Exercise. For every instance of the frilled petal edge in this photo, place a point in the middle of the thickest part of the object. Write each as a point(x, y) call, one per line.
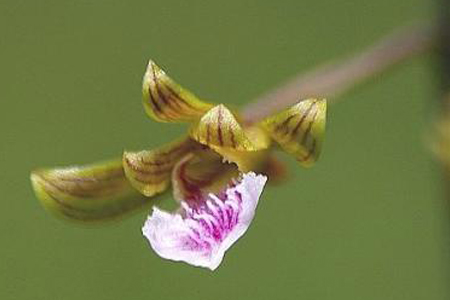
point(201, 235)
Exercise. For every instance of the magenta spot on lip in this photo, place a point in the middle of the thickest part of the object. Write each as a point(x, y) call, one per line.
point(217, 226)
point(200, 232)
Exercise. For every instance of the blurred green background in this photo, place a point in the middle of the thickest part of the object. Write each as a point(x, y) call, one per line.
point(370, 221)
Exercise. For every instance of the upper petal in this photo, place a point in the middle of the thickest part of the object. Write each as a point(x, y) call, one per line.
point(220, 128)
point(300, 129)
point(201, 235)
point(166, 101)
point(245, 160)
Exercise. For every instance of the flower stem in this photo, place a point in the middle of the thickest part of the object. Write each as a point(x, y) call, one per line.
point(333, 79)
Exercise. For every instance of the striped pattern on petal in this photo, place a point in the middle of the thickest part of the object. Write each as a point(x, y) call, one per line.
point(219, 128)
point(247, 161)
point(87, 193)
point(166, 101)
point(299, 129)
point(149, 170)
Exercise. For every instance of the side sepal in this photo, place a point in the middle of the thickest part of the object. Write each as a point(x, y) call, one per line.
point(86, 193)
point(299, 130)
point(166, 101)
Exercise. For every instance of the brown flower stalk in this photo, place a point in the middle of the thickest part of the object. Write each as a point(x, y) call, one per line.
point(333, 79)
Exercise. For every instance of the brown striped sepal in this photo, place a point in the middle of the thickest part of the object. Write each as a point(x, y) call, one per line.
point(149, 171)
point(166, 101)
point(195, 176)
point(299, 130)
point(87, 193)
point(220, 128)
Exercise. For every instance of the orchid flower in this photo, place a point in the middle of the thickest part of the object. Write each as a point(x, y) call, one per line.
point(217, 172)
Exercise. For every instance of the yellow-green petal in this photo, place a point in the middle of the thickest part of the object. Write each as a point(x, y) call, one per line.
point(220, 128)
point(299, 130)
point(149, 171)
point(166, 101)
point(87, 193)
point(247, 161)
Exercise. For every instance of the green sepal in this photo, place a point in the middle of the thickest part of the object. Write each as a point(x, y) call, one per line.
point(300, 129)
point(166, 101)
point(88, 193)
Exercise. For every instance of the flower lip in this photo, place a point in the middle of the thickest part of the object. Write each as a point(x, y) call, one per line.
point(202, 234)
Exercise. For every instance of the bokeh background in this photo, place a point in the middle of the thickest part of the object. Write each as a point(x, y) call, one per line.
point(370, 221)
